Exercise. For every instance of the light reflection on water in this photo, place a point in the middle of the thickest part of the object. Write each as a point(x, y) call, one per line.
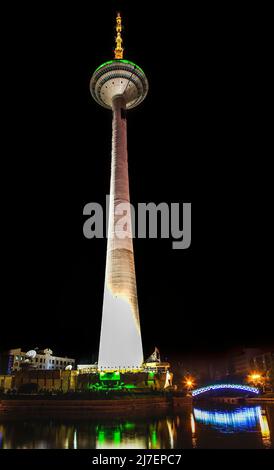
point(226, 421)
point(201, 427)
point(239, 422)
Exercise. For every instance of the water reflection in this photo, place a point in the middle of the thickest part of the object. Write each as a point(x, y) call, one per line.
point(207, 427)
point(243, 418)
point(265, 431)
point(193, 431)
point(156, 434)
point(238, 420)
point(122, 436)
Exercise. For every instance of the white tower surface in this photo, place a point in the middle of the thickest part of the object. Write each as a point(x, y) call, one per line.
point(119, 85)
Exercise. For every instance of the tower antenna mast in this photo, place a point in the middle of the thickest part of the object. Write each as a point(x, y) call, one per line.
point(119, 51)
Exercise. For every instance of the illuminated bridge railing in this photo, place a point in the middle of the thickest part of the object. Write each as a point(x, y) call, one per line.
point(242, 388)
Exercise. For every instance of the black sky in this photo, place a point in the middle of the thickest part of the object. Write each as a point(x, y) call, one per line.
point(198, 137)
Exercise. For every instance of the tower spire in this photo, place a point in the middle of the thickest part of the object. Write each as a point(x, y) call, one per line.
point(118, 52)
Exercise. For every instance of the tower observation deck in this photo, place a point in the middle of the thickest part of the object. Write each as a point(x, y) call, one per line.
point(119, 85)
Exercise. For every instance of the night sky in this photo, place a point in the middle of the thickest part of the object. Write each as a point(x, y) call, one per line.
point(198, 137)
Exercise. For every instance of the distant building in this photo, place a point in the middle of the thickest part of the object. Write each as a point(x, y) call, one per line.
point(263, 362)
point(16, 359)
point(218, 368)
point(244, 361)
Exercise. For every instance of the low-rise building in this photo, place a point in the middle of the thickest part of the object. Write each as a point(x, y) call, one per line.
point(45, 380)
point(6, 383)
point(16, 359)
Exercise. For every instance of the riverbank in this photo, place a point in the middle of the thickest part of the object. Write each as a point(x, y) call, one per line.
point(29, 407)
point(237, 400)
point(260, 400)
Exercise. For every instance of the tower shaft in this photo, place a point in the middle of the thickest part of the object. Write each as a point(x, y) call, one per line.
point(120, 341)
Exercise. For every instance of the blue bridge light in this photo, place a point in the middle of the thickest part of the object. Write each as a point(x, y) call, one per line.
point(242, 388)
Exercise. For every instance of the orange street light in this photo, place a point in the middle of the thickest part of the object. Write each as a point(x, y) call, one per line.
point(189, 382)
point(255, 378)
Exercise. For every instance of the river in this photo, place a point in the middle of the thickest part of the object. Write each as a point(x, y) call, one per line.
point(203, 426)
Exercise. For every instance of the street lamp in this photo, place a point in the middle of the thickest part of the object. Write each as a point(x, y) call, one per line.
point(189, 382)
point(256, 378)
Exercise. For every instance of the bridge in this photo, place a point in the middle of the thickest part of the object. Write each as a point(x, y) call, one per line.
point(240, 387)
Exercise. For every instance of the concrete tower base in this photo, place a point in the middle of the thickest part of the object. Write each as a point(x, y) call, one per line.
point(120, 341)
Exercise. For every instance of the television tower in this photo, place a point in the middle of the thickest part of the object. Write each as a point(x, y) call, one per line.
point(119, 85)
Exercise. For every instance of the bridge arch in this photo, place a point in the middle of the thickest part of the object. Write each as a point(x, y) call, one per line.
point(241, 387)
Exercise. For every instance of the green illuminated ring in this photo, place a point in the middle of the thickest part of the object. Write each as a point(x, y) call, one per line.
point(120, 60)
